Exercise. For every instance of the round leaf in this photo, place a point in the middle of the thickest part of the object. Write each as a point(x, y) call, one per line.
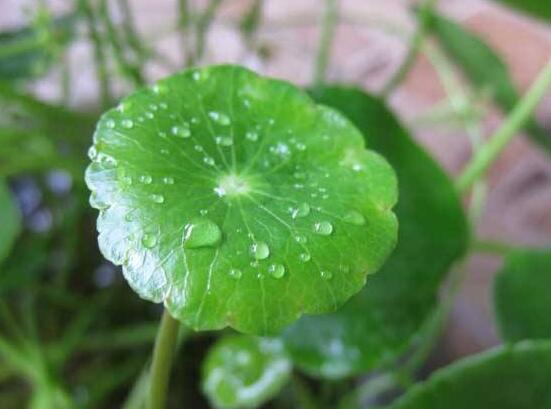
point(507, 378)
point(236, 200)
point(521, 293)
point(379, 323)
point(244, 372)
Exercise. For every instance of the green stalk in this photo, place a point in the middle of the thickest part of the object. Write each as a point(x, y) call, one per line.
point(328, 22)
point(203, 23)
point(162, 361)
point(415, 45)
point(489, 152)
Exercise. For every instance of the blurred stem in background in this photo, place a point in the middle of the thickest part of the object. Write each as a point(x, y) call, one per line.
point(327, 34)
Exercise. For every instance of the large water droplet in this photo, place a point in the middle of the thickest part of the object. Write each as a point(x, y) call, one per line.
point(354, 217)
point(220, 118)
point(181, 131)
point(127, 123)
point(201, 233)
point(149, 240)
point(260, 250)
point(224, 140)
point(323, 228)
point(301, 210)
point(158, 198)
point(277, 270)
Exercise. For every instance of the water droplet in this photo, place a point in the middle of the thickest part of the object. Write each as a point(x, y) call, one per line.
point(252, 136)
point(163, 105)
point(128, 217)
point(220, 118)
point(224, 140)
point(158, 198)
point(201, 233)
point(301, 210)
point(326, 275)
point(168, 180)
point(126, 180)
point(354, 217)
point(92, 152)
point(300, 146)
point(149, 240)
point(276, 270)
point(181, 131)
point(260, 250)
point(235, 273)
point(203, 212)
point(305, 257)
point(146, 179)
point(300, 239)
point(209, 161)
point(323, 228)
point(110, 124)
point(127, 123)
point(149, 115)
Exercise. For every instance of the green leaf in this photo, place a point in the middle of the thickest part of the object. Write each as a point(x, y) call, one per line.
point(29, 51)
point(485, 69)
point(537, 8)
point(378, 324)
point(236, 200)
point(514, 377)
point(244, 372)
point(10, 220)
point(521, 295)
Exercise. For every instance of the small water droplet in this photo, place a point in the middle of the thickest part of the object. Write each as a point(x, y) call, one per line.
point(127, 123)
point(252, 136)
point(354, 217)
point(326, 275)
point(149, 240)
point(149, 115)
point(181, 131)
point(260, 250)
point(300, 146)
point(220, 118)
point(235, 273)
point(323, 228)
point(301, 210)
point(126, 180)
point(163, 105)
point(203, 212)
point(92, 152)
point(168, 180)
point(209, 161)
point(277, 270)
point(300, 239)
point(146, 179)
point(158, 198)
point(201, 233)
point(224, 140)
point(110, 124)
point(305, 257)
point(128, 217)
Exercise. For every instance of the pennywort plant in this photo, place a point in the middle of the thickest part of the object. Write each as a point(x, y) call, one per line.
point(285, 246)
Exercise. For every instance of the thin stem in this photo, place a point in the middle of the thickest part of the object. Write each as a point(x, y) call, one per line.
point(327, 32)
point(183, 25)
point(415, 45)
point(510, 127)
point(492, 247)
point(203, 23)
point(162, 361)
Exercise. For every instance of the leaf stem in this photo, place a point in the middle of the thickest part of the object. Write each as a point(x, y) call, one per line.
point(203, 23)
point(491, 247)
point(328, 22)
point(489, 152)
point(162, 361)
point(415, 45)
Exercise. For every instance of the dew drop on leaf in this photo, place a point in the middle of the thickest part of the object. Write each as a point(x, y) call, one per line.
point(300, 239)
point(149, 240)
point(277, 270)
point(168, 180)
point(304, 257)
point(354, 217)
point(180, 131)
point(158, 198)
point(146, 179)
point(323, 228)
point(224, 140)
point(235, 273)
point(326, 275)
point(300, 210)
point(252, 136)
point(260, 250)
point(201, 233)
point(127, 123)
point(220, 118)
point(110, 123)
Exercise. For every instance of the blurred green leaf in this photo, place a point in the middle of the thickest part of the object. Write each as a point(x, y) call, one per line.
point(238, 201)
point(522, 295)
point(537, 8)
point(511, 377)
point(377, 325)
point(10, 220)
point(485, 70)
point(30, 51)
point(244, 372)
